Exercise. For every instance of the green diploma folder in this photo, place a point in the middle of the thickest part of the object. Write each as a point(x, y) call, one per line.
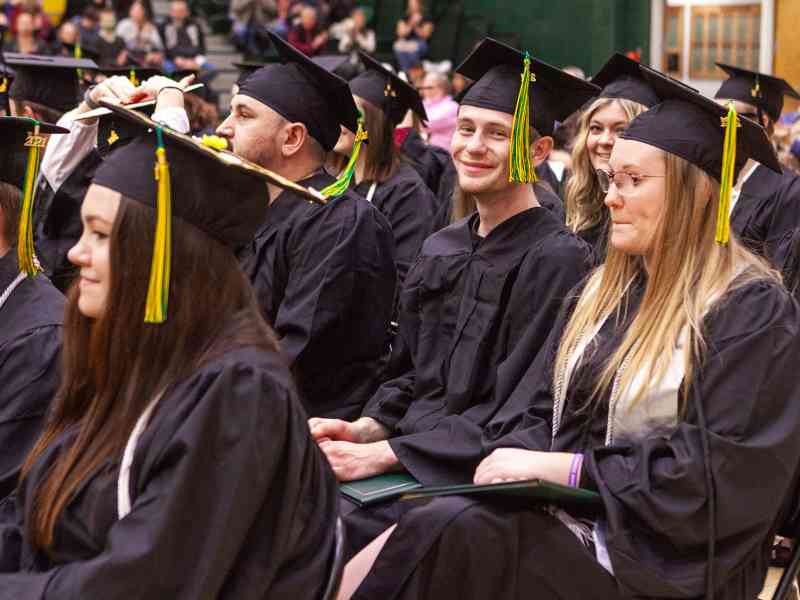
point(380, 488)
point(534, 489)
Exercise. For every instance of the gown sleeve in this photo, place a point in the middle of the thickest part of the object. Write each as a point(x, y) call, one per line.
point(204, 478)
point(653, 490)
point(29, 368)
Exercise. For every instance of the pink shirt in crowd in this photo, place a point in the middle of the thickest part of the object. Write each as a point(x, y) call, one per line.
point(442, 115)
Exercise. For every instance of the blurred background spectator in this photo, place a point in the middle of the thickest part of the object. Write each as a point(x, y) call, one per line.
point(413, 32)
point(184, 43)
point(110, 47)
point(441, 108)
point(353, 34)
point(309, 35)
point(27, 37)
point(141, 37)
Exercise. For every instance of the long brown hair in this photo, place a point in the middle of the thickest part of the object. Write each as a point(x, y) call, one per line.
point(690, 274)
point(115, 365)
point(382, 157)
point(584, 199)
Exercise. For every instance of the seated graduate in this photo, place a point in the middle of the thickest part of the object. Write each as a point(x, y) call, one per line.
point(672, 387)
point(176, 460)
point(381, 174)
point(481, 287)
point(625, 94)
point(31, 309)
point(324, 276)
point(765, 205)
point(70, 162)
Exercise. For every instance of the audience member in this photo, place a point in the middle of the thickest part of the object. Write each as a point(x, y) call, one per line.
point(110, 46)
point(413, 32)
point(441, 108)
point(248, 19)
point(354, 35)
point(184, 42)
point(88, 25)
point(141, 37)
point(25, 40)
point(308, 35)
point(43, 28)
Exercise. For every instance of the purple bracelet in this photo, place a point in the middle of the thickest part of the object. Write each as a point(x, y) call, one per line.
point(575, 470)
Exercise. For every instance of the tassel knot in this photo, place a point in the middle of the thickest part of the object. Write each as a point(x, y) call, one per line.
point(339, 187)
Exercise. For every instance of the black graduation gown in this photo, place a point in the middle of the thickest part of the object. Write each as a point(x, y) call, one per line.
point(231, 498)
point(431, 162)
point(409, 206)
point(768, 207)
point(58, 220)
point(597, 237)
point(653, 489)
point(325, 280)
point(466, 307)
point(30, 347)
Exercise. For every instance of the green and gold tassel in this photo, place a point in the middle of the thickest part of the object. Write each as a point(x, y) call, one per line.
point(520, 166)
point(158, 288)
point(78, 54)
point(3, 85)
point(132, 78)
point(339, 187)
point(26, 255)
point(730, 123)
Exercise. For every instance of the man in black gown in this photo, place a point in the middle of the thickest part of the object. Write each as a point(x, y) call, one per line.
point(765, 206)
point(324, 276)
point(31, 313)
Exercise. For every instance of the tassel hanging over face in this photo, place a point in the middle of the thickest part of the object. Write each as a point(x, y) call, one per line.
point(730, 123)
point(520, 166)
point(339, 187)
point(158, 288)
point(26, 254)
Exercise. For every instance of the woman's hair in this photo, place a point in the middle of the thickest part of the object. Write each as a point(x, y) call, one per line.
point(584, 199)
point(114, 366)
point(690, 273)
point(381, 154)
point(10, 202)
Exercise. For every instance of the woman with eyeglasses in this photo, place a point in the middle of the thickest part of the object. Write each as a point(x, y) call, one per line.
point(625, 95)
point(669, 387)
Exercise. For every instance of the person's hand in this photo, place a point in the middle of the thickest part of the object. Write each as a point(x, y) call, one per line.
point(117, 89)
point(357, 461)
point(150, 89)
point(513, 464)
point(361, 431)
point(320, 40)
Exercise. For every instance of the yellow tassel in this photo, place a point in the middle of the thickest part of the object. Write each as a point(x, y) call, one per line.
point(3, 85)
point(158, 288)
point(214, 141)
point(26, 254)
point(520, 166)
point(78, 54)
point(132, 78)
point(755, 92)
point(730, 123)
point(339, 187)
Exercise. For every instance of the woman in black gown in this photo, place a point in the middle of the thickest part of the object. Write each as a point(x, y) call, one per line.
point(176, 460)
point(669, 386)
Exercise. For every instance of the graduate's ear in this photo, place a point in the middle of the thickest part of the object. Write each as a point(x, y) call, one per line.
point(295, 137)
point(540, 149)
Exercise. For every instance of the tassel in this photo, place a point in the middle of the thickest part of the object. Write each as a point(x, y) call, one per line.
point(78, 54)
point(755, 92)
point(26, 254)
point(132, 78)
point(520, 167)
point(158, 289)
point(339, 187)
point(3, 85)
point(730, 123)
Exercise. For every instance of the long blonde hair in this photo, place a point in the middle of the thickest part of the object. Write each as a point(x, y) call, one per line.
point(690, 274)
point(584, 199)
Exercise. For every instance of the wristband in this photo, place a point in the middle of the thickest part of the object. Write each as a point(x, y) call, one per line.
point(575, 470)
point(87, 98)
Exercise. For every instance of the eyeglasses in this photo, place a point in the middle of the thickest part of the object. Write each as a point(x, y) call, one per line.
point(625, 182)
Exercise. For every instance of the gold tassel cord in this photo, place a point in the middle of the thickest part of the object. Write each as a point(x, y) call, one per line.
point(26, 254)
point(79, 54)
point(520, 166)
point(730, 123)
point(3, 85)
point(132, 78)
point(339, 187)
point(158, 288)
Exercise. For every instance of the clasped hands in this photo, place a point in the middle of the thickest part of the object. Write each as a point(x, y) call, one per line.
point(120, 90)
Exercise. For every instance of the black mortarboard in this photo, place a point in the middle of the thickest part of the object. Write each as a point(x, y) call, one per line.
point(333, 63)
point(14, 131)
point(113, 132)
point(191, 191)
point(247, 68)
point(763, 91)
point(690, 125)
point(379, 86)
point(621, 77)
point(302, 91)
point(51, 81)
point(496, 69)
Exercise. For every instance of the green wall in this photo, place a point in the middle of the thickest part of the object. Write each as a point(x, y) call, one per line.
point(561, 32)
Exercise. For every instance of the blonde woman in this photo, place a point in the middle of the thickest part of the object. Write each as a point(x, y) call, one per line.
point(673, 392)
point(626, 94)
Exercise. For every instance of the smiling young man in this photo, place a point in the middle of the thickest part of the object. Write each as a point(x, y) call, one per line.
point(324, 276)
point(481, 289)
point(765, 206)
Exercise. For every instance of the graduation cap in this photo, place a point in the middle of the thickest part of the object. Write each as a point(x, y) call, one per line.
point(379, 86)
point(51, 81)
point(302, 91)
point(23, 142)
point(711, 137)
point(537, 94)
point(621, 77)
point(191, 192)
point(762, 91)
point(113, 132)
point(332, 62)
